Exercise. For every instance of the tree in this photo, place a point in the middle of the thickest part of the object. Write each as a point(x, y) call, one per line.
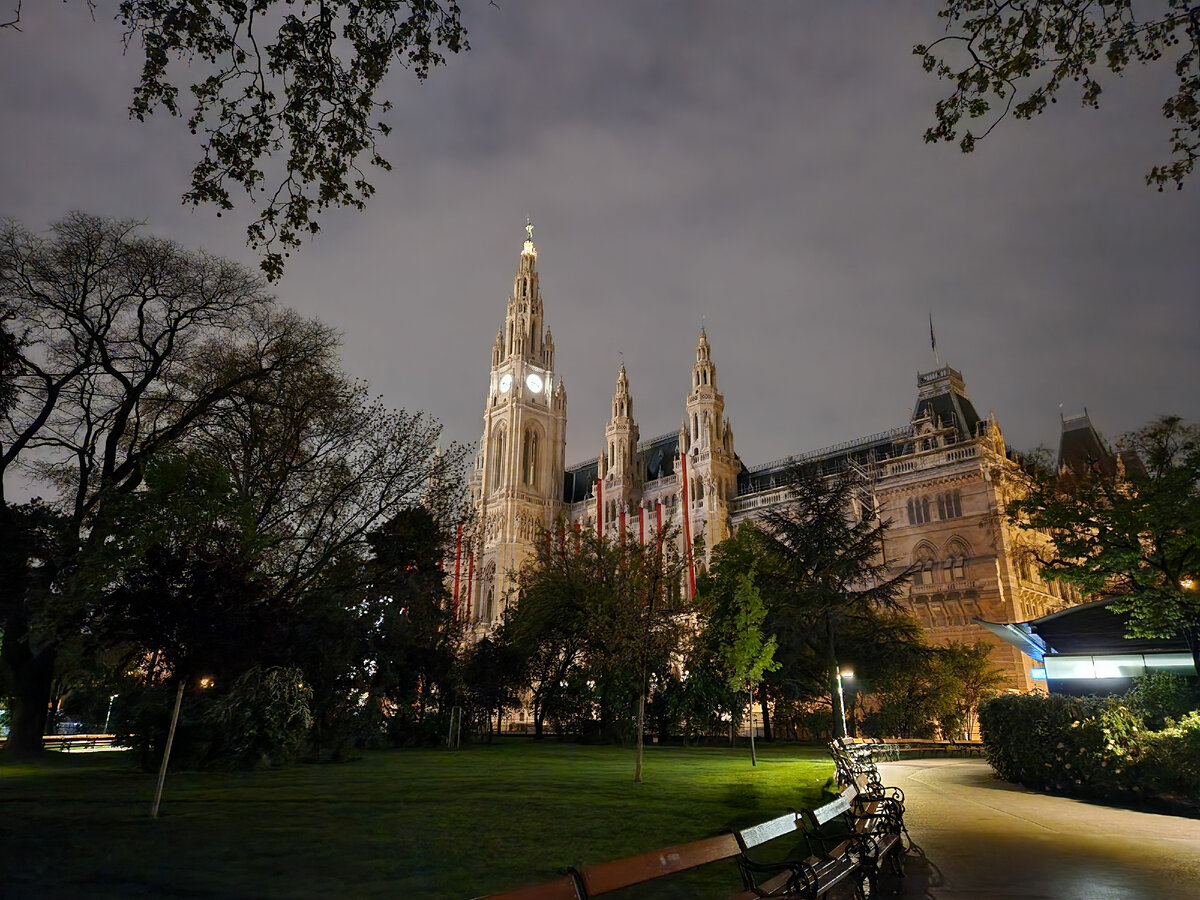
point(288, 105)
point(9, 357)
point(823, 575)
point(127, 344)
point(596, 620)
point(734, 614)
point(412, 636)
point(320, 464)
point(973, 677)
point(1133, 531)
point(1018, 54)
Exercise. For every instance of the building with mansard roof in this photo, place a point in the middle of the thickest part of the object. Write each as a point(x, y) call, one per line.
point(942, 478)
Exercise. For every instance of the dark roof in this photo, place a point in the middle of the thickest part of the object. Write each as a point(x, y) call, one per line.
point(1089, 628)
point(1095, 628)
point(578, 482)
point(1081, 449)
point(656, 455)
point(830, 460)
point(952, 409)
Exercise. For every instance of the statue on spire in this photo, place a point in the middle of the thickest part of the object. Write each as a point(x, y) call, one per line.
point(529, 249)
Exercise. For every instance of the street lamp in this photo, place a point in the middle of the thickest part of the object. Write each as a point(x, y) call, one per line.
point(842, 697)
point(108, 715)
point(205, 683)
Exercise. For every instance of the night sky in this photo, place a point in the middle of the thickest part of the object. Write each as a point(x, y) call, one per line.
point(760, 166)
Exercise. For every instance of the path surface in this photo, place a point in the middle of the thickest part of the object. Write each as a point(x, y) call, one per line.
point(984, 838)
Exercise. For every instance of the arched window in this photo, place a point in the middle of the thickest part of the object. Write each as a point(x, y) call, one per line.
point(949, 505)
point(918, 510)
point(956, 559)
point(487, 594)
point(924, 560)
point(529, 457)
point(497, 457)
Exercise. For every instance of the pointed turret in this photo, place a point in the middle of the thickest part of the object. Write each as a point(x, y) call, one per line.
point(523, 334)
point(712, 464)
point(621, 434)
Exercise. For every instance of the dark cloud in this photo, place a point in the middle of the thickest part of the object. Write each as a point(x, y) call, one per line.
point(758, 164)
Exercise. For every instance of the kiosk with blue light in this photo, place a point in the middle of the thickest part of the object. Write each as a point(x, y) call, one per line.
point(1084, 649)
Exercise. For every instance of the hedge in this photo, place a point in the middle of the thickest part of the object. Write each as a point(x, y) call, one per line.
point(1092, 747)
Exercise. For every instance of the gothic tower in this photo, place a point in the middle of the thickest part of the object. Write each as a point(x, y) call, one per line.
point(707, 440)
point(621, 467)
point(518, 479)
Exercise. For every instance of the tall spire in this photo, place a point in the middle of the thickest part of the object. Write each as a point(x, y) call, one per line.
point(524, 335)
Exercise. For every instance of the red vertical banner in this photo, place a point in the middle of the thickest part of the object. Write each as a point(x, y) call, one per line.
point(622, 526)
point(687, 525)
point(641, 524)
point(457, 566)
point(470, 580)
point(658, 517)
point(599, 508)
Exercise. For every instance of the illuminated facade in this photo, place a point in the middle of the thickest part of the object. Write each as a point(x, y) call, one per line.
point(942, 479)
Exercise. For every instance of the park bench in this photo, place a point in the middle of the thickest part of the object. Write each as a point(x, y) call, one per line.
point(759, 879)
point(869, 836)
point(856, 765)
point(67, 742)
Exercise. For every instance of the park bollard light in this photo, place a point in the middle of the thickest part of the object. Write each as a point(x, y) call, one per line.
point(162, 770)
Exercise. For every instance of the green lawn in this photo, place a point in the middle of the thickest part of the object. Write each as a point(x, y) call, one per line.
point(405, 823)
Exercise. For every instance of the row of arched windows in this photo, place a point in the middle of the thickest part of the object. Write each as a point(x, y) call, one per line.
point(948, 504)
point(952, 566)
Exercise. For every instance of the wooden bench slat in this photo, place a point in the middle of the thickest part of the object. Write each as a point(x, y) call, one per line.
point(603, 878)
point(559, 889)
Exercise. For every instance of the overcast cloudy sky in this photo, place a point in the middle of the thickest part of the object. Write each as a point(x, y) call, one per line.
point(760, 165)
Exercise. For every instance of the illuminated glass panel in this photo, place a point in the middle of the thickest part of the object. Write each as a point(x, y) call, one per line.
point(1180, 661)
point(1119, 666)
point(1038, 672)
point(1070, 667)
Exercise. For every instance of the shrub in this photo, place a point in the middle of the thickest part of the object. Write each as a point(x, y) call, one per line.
point(1163, 697)
point(1095, 747)
point(263, 720)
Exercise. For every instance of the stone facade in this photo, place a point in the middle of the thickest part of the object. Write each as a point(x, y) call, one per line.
point(942, 479)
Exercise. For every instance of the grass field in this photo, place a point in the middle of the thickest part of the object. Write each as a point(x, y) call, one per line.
point(405, 823)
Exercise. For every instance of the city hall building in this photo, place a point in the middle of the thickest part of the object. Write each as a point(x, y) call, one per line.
point(943, 479)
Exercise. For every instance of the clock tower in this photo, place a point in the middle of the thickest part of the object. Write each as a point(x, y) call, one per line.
point(517, 484)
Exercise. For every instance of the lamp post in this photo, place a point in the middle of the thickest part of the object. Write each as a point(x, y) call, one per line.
point(108, 715)
point(842, 697)
point(205, 683)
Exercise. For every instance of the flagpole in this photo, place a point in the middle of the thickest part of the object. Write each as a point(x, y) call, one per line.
point(933, 344)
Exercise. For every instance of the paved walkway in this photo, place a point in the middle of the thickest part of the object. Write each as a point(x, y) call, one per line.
point(984, 838)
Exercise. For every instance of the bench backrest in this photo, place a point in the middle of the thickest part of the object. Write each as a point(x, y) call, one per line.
point(834, 808)
point(769, 830)
point(603, 878)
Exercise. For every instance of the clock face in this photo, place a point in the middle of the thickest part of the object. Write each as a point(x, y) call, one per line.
point(505, 383)
point(534, 382)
